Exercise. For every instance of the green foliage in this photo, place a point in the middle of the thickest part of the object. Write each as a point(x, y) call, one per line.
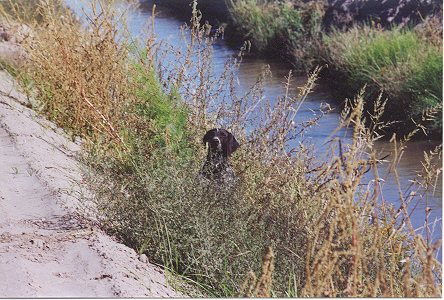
point(401, 63)
point(165, 112)
point(425, 87)
point(258, 20)
point(286, 29)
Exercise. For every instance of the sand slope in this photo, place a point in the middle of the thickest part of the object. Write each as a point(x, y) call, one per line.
point(46, 248)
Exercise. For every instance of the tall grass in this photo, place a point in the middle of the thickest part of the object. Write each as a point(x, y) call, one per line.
point(78, 77)
point(29, 11)
point(404, 64)
point(330, 232)
point(278, 28)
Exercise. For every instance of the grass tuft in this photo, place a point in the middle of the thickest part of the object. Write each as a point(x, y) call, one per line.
point(290, 30)
point(404, 64)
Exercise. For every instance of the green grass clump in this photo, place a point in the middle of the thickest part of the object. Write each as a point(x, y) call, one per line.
point(330, 233)
point(402, 63)
point(159, 112)
point(279, 28)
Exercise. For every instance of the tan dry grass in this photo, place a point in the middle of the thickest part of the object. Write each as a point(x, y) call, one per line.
point(79, 77)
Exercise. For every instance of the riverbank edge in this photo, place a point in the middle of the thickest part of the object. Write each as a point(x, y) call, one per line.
point(337, 15)
point(47, 173)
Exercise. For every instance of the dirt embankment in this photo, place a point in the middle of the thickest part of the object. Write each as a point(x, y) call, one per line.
point(47, 249)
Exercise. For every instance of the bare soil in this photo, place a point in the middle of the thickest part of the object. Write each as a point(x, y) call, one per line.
point(48, 249)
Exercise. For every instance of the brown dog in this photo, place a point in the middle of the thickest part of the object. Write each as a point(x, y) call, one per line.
point(221, 145)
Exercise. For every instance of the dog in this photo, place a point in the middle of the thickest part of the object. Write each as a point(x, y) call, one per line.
point(221, 145)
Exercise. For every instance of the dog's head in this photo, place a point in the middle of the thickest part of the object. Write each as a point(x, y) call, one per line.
point(220, 142)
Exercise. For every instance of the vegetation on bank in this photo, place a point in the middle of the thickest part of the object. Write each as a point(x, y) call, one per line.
point(142, 110)
point(278, 29)
point(404, 64)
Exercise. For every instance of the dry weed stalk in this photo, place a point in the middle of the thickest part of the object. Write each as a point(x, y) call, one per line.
point(78, 75)
point(262, 287)
point(250, 276)
point(358, 246)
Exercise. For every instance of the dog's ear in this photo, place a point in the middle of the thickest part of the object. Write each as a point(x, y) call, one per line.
point(231, 145)
point(208, 136)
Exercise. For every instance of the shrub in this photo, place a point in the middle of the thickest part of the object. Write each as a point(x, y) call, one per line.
point(78, 77)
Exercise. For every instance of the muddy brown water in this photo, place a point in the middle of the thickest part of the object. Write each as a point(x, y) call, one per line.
point(167, 27)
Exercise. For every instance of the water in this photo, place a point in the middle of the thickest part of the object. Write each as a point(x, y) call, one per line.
point(167, 27)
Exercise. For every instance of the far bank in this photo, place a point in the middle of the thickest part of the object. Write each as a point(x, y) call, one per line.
point(394, 48)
